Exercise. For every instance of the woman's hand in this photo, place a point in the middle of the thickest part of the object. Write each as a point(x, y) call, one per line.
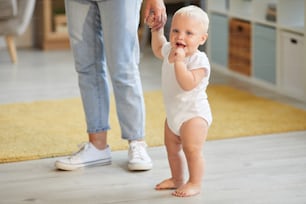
point(157, 9)
point(150, 21)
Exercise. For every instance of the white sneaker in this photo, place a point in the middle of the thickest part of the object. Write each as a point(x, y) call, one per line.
point(139, 159)
point(87, 155)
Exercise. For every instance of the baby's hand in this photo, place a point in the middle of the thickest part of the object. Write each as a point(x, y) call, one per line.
point(179, 54)
point(150, 20)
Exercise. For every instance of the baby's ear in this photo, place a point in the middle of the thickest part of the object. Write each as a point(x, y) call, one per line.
point(204, 38)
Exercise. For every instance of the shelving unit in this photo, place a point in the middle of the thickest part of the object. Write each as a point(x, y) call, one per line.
point(277, 42)
point(48, 35)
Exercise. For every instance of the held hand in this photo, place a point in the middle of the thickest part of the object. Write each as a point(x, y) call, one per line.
point(158, 9)
point(150, 21)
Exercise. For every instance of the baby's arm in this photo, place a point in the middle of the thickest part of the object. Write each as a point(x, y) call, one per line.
point(158, 37)
point(187, 79)
point(157, 42)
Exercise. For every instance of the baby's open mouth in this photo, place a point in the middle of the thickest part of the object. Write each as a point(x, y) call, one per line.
point(180, 45)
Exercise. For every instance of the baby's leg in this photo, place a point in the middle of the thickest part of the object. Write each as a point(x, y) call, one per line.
point(193, 135)
point(175, 159)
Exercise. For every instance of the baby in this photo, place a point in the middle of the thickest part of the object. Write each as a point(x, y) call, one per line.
point(185, 77)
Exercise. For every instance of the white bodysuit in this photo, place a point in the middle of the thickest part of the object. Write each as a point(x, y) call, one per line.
point(182, 105)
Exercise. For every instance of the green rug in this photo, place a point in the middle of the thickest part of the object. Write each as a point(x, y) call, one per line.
point(54, 128)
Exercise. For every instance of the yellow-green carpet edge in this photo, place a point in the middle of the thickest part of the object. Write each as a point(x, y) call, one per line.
point(53, 128)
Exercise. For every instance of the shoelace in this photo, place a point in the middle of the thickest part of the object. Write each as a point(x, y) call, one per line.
point(82, 148)
point(137, 151)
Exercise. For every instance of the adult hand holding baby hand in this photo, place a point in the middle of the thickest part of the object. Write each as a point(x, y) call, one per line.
point(155, 14)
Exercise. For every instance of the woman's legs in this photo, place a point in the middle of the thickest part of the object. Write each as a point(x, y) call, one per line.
point(104, 39)
point(86, 40)
point(97, 32)
point(120, 21)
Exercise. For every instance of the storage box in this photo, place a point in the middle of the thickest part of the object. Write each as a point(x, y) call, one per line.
point(264, 53)
point(292, 64)
point(218, 39)
point(240, 46)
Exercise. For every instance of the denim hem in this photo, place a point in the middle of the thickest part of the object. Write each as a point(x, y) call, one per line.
point(98, 130)
point(132, 138)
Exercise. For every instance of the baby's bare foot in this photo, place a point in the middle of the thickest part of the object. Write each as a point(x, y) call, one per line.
point(187, 189)
point(168, 184)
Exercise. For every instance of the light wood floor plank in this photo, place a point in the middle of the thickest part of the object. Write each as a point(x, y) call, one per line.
point(262, 169)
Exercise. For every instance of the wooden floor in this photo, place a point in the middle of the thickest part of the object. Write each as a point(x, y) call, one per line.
point(267, 169)
point(252, 170)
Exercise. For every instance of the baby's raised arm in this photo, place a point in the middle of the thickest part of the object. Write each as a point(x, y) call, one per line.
point(157, 42)
point(158, 37)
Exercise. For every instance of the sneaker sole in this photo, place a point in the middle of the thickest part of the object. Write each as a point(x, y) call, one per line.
point(71, 167)
point(139, 167)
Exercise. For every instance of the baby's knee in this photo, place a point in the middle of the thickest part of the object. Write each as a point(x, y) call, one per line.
point(194, 149)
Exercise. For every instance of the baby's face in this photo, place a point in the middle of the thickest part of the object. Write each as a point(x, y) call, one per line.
point(187, 33)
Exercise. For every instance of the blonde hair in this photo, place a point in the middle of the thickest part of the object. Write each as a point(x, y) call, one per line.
point(195, 12)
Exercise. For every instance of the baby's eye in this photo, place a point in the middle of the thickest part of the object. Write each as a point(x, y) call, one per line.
point(189, 33)
point(175, 30)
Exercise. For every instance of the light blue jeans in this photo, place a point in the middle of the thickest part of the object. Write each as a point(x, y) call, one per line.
point(104, 40)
